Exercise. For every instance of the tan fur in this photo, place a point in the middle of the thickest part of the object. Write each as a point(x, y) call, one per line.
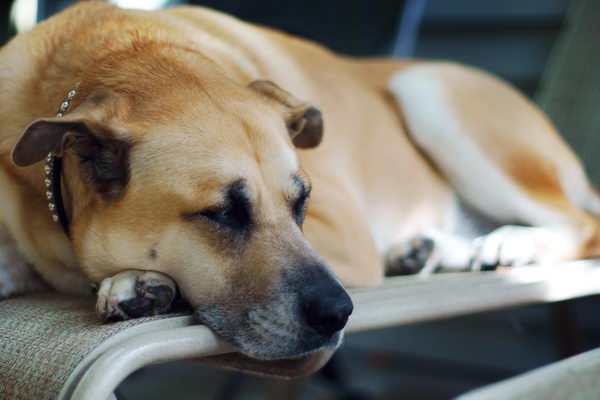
point(179, 79)
point(538, 176)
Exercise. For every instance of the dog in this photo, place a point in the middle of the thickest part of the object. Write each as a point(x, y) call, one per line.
point(186, 147)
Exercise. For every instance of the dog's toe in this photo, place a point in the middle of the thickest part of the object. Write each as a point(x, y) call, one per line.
point(508, 246)
point(134, 294)
point(137, 307)
point(410, 257)
point(162, 296)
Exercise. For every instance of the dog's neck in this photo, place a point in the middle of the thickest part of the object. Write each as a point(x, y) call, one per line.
point(53, 181)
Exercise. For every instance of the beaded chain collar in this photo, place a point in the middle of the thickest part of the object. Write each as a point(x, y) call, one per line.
point(53, 169)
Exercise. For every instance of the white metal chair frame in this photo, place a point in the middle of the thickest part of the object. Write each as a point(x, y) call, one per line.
point(453, 294)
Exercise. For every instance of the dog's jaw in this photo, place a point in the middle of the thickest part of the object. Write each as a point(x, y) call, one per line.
point(269, 332)
point(271, 328)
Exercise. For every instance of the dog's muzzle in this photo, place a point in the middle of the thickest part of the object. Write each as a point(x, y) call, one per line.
point(306, 313)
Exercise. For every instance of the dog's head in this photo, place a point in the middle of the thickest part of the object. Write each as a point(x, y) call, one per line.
point(197, 177)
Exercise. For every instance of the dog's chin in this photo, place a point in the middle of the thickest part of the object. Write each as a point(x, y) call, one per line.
point(276, 349)
point(260, 337)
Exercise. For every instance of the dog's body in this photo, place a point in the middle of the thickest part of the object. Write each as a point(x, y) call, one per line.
point(373, 188)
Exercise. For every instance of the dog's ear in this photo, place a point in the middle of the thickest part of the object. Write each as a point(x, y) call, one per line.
point(102, 152)
point(303, 120)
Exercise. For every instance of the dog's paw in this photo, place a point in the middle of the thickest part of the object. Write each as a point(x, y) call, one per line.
point(509, 245)
point(134, 294)
point(411, 256)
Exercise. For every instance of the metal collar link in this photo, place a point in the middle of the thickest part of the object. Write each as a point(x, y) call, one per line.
point(53, 170)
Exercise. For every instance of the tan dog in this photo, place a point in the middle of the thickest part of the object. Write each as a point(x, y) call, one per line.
point(179, 156)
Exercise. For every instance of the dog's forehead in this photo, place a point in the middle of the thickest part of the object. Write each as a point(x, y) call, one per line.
point(183, 159)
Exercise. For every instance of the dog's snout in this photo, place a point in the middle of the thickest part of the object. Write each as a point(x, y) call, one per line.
point(326, 308)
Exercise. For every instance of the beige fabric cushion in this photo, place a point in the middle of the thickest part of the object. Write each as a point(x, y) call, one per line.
point(44, 336)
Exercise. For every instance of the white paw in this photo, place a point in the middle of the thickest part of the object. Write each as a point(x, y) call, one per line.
point(134, 294)
point(508, 245)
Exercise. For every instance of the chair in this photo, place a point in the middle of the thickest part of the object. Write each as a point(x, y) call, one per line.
point(53, 346)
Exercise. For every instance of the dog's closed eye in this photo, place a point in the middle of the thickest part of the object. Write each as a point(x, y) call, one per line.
point(234, 214)
point(231, 217)
point(300, 208)
point(299, 205)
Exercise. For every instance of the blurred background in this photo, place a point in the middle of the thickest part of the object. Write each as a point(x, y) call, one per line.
point(549, 49)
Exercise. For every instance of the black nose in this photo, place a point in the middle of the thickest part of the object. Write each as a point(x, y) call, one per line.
point(326, 307)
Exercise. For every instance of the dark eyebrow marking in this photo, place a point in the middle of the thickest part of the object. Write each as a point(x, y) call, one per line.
point(236, 195)
point(299, 203)
point(303, 187)
point(234, 213)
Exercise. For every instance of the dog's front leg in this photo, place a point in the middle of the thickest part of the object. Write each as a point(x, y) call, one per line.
point(133, 294)
point(16, 274)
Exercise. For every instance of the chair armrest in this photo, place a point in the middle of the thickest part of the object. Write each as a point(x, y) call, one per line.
point(573, 378)
point(411, 299)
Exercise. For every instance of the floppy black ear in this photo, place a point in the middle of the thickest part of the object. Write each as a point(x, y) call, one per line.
point(303, 120)
point(101, 154)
